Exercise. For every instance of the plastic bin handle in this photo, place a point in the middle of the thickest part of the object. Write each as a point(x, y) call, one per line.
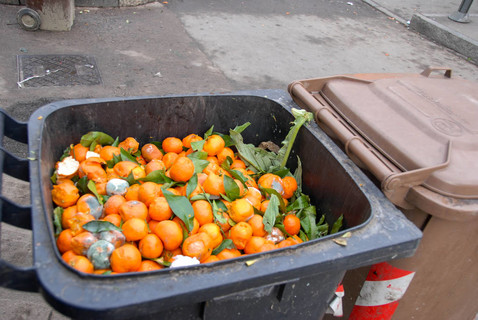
point(428, 71)
point(11, 276)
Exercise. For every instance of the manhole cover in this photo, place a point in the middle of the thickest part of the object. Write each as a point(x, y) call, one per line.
point(57, 70)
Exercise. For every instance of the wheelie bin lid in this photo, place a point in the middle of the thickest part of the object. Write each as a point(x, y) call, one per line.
point(416, 134)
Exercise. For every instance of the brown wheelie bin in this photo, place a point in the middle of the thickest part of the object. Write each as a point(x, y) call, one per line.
point(416, 136)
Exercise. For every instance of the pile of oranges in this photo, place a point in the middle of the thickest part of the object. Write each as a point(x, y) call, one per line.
point(125, 208)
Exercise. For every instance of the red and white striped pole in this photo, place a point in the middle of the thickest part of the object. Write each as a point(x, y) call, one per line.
point(384, 287)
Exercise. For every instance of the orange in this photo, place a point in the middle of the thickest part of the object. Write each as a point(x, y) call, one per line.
point(79, 152)
point(170, 234)
point(224, 153)
point(65, 194)
point(112, 205)
point(133, 209)
point(172, 144)
point(63, 241)
point(126, 258)
point(135, 229)
point(189, 139)
point(254, 245)
point(291, 224)
point(132, 192)
point(81, 263)
point(212, 167)
point(286, 243)
point(238, 163)
point(150, 152)
point(257, 226)
point(150, 246)
point(92, 168)
point(214, 185)
point(148, 191)
point(114, 218)
point(228, 254)
point(224, 226)
point(88, 203)
point(68, 213)
point(159, 209)
point(182, 169)
point(154, 165)
point(212, 258)
point(78, 220)
point(254, 196)
point(290, 186)
point(264, 205)
point(168, 255)
point(268, 246)
point(68, 255)
point(129, 144)
point(183, 225)
point(214, 231)
point(241, 210)
point(240, 234)
point(271, 181)
point(214, 144)
point(198, 246)
point(124, 168)
point(203, 212)
point(148, 265)
point(169, 158)
point(81, 242)
point(108, 152)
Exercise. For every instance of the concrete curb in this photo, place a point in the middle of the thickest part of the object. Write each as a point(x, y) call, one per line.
point(445, 36)
point(385, 11)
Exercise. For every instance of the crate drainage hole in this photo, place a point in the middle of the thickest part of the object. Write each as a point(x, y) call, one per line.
point(57, 71)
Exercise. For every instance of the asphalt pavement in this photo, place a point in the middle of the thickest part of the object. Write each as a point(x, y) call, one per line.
point(183, 47)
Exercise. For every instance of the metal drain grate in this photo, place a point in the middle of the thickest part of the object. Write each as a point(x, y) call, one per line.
point(57, 70)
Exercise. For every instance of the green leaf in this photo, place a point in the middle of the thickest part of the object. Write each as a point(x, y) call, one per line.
point(269, 218)
point(208, 132)
point(201, 155)
point(82, 185)
point(92, 187)
point(96, 136)
point(308, 222)
point(271, 191)
point(241, 128)
point(93, 146)
point(300, 203)
point(233, 191)
point(96, 226)
point(198, 145)
point(126, 156)
point(111, 163)
point(158, 176)
point(181, 207)
point(225, 244)
point(130, 179)
point(192, 185)
point(298, 176)
point(57, 213)
point(217, 211)
point(260, 159)
point(116, 142)
point(301, 117)
point(66, 153)
point(199, 165)
point(337, 225)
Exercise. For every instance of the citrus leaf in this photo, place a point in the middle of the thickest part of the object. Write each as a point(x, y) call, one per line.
point(92, 187)
point(96, 226)
point(198, 145)
point(225, 244)
point(271, 213)
point(116, 142)
point(337, 225)
point(82, 185)
point(57, 213)
point(96, 136)
point(233, 191)
point(126, 156)
point(208, 132)
point(181, 207)
point(199, 165)
point(192, 185)
point(158, 176)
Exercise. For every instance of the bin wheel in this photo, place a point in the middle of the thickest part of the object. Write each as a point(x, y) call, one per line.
point(28, 19)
